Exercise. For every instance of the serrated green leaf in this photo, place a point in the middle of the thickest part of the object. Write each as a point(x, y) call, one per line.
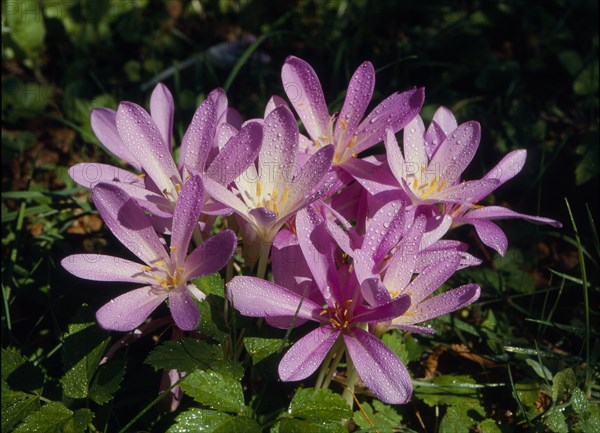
point(261, 348)
point(455, 421)
point(187, 354)
point(15, 406)
point(19, 373)
point(394, 341)
point(579, 401)
point(82, 351)
point(591, 424)
point(557, 422)
point(383, 417)
point(215, 390)
point(209, 421)
point(318, 405)
point(107, 380)
point(211, 284)
point(490, 426)
point(55, 417)
point(563, 384)
point(211, 320)
point(291, 425)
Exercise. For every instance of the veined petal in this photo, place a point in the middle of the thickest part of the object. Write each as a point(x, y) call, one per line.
point(256, 297)
point(211, 255)
point(508, 167)
point(434, 234)
point(358, 96)
point(379, 368)
point(445, 119)
point(274, 102)
point(456, 152)
point(225, 132)
point(305, 356)
point(161, 110)
point(498, 213)
point(104, 125)
point(90, 174)
point(371, 175)
point(384, 230)
point(185, 218)
point(219, 98)
point(434, 137)
point(371, 288)
point(311, 175)
point(184, 309)
point(394, 112)
point(382, 312)
point(466, 192)
point(415, 147)
point(128, 311)
point(432, 278)
point(401, 267)
point(199, 137)
point(393, 154)
point(439, 305)
point(303, 89)
point(277, 157)
point(99, 267)
point(145, 142)
point(490, 234)
point(126, 220)
point(149, 201)
point(228, 198)
point(237, 154)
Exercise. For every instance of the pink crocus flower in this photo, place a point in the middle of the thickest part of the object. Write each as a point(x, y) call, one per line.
point(167, 272)
point(210, 147)
point(341, 315)
point(347, 131)
point(429, 170)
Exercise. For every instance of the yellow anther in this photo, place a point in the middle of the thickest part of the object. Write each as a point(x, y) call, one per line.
point(477, 206)
point(258, 188)
point(415, 183)
point(323, 312)
point(146, 268)
point(344, 125)
point(172, 247)
point(275, 208)
point(442, 185)
point(178, 187)
point(352, 142)
point(423, 170)
point(354, 155)
point(335, 323)
point(325, 137)
point(286, 193)
point(317, 143)
point(141, 175)
point(160, 263)
point(430, 190)
point(275, 195)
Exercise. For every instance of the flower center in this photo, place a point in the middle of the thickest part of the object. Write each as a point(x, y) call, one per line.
point(339, 315)
point(165, 277)
point(343, 147)
point(273, 201)
point(426, 189)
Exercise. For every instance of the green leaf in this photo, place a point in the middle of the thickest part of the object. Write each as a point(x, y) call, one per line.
point(563, 384)
point(26, 23)
point(291, 425)
point(56, 418)
point(319, 405)
point(215, 390)
point(539, 369)
point(211, 319)
point(591, 424)
point(455, 421)
point(579, 401)
point(261, 348)
point(557, 422)
point(490, 426)
point(82, 351)
point(187, 354)
point(380, 414)
point(211, 284)
point(15, 406)
point(394, 341)
point(449, 390)
point(209, 421)
point(107, 380)
point(588, 167)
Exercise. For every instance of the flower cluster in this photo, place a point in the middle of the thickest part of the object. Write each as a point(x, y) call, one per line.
point(356, 244)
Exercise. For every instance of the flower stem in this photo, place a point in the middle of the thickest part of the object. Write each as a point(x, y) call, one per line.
point(333, 367)
point(350, 382)
point(263, 259)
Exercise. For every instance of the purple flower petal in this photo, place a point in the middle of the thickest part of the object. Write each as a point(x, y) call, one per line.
point(126, 220)
point(371, 288)
point(383, 312)
point(211, 255)
point(99, 267)
point(161, 110)
point(415, 151)
point(219, 98)
point(394, 112)
point(358, 96)
point(90, 174)
point(183, 309)
point(305, 356)
point(444, 303)
point(303, 89)
point(445, 119)
point(277, 157)
point(199, 138)
point(256, 297)
point(156, 204)
point(145, 142)
point(379, 368)
point(431, 278)
point(104, 125)
point(274, 102)
point(498, 212)
point(402, 265)
point(490, 234)
point(456, 152)
point(434, 137)
point(128, 311)
point(508, 167)
point(185, 218)
point(228, 198)
point(393, 154)
point(237, 154)
point(466, 192)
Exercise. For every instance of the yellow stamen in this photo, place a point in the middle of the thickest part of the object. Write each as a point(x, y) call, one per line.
point(141, 175)
point(275, 194)
point(352, 142)
point(258, 188)
point(286, 192)
point(431, 189)
point(477, 206)
point(442, 185)
point(172, 247)
point(275, 208)
point(178, 187)
point(323, 312)
point(415, 183)
point(354, 155)
point(344, 125)
point(146, 268)
point(335, 323)
point(160, 263)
